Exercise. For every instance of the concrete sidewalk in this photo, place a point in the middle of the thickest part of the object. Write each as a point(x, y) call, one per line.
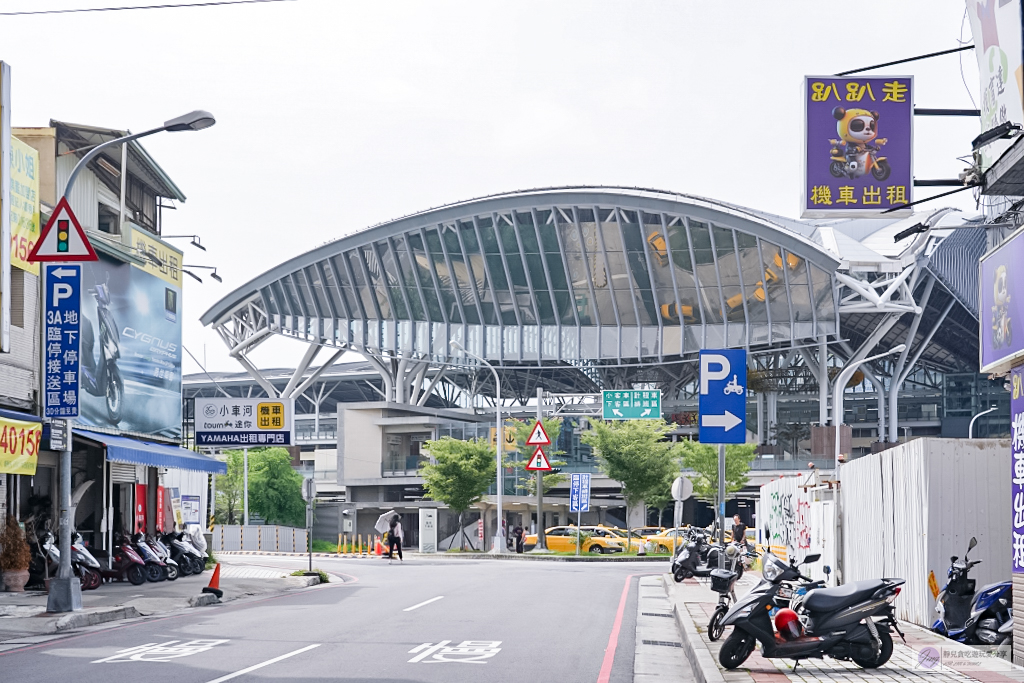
point(24, 615)
point(925, 656)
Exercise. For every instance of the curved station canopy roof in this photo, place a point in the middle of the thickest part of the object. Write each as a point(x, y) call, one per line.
point(566, 275)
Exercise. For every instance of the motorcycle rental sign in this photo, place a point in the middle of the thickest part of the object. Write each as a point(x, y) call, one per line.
point(246, 422)
point(858, 146)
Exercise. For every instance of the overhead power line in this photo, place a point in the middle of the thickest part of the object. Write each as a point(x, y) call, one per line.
point(121, 9)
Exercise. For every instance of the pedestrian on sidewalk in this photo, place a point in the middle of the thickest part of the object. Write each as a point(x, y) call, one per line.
point(395, 536)
point(739, 531)
point(518, 533)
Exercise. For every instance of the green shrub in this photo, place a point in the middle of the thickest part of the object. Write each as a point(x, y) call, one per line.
point(324, 576)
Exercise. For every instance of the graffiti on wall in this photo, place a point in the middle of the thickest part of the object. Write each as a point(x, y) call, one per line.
point(786, 510)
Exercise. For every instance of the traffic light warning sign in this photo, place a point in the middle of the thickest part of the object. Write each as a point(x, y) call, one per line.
point(63, 238)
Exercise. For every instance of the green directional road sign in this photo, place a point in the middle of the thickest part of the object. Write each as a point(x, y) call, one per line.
point(635, 404)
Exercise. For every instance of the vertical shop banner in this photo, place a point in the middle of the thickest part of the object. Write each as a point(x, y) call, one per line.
point(140, 507)
point(1017, 460)
point(190, 512)
point(858, 143)
point(24, 205)
point(1002, 305)
point(996, 27)
point(160, 520)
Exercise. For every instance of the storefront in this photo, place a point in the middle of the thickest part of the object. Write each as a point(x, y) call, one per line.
point(123, 485)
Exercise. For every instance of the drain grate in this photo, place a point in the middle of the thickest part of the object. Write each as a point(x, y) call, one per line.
point(664, 643)
point(655, 614)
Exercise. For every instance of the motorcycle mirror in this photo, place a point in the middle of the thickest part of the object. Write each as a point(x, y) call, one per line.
point(974, 542)
point(813, 557)
point(827, 569)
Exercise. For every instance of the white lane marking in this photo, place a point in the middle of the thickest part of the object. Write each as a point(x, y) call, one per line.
point(263, 664)
point(425, 602)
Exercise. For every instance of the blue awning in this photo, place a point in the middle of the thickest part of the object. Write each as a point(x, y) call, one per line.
point(17, 415)
point(122, 449)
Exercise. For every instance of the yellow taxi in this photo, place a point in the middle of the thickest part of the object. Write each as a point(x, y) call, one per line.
point(615, 533)
point(663, 539)
point(563, 539)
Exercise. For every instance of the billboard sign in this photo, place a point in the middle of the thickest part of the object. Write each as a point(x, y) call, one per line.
point(19, 446)
point(858, 144)
point(24, 204)
point(131, 347)
point(245, 422)
point(1017, 467)
point(996, 27)
point(1002, 305)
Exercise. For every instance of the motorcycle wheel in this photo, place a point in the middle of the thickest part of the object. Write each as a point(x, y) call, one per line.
point(679, 575)
point(185, 567)
point(154, 573)
point(883, 654)
point(837, 169)
point(715, 627)
point(881, 170)
point(90, 579)
point(737, 647)
point(136, 575)
point(114, 394)
point(198, 566)
point(172, 572)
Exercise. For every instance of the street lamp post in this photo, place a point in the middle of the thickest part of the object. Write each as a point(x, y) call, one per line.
point(498, 544)
point(970, 427)
point(65, 594)
point(837, 421)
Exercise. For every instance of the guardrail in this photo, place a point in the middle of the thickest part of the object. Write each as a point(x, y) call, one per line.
point(268, 538)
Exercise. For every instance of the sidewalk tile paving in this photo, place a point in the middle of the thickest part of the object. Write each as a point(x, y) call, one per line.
point(696, 600)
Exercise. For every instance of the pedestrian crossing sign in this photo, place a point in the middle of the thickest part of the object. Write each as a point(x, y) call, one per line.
point(538, 437)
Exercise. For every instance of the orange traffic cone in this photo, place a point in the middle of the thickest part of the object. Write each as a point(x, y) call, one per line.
point(214, 586)
point(379, 549)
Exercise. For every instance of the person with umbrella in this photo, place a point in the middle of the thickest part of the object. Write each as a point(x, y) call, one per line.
point(395, 536)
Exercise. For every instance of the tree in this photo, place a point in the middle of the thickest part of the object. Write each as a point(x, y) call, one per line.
point(660, 499)
point(275, 489)
point(229, 491)
point(459, 474)
point(522, 428)
point(702, 458)
point(634, 453)
point(792, 433)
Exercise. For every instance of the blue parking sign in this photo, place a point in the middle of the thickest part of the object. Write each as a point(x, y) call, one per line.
point(61, 332)
point(723, 396)
point(579, 493)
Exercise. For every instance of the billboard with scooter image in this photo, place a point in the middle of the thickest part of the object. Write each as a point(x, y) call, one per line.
point(131, 349)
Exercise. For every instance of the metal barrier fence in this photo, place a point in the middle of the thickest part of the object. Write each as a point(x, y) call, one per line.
point(267, 538)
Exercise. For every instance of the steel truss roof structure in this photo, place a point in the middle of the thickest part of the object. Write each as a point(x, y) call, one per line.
point(592, 287)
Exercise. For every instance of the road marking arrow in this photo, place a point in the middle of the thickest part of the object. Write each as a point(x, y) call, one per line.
point(616, 411)
point(61, 272)
point(726, 421)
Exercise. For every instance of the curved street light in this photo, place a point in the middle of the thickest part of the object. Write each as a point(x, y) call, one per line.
point(498, 543)
point(970, 427)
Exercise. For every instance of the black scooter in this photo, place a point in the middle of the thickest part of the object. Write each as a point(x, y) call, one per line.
point(100, 375)
point(838, 622)
point(687, 562)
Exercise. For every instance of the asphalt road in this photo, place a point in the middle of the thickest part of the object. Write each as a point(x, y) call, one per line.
point(423, 620)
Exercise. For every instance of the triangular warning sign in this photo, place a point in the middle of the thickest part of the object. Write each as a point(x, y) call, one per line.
point(63, 238)
point(539, 461)
point(538, 437)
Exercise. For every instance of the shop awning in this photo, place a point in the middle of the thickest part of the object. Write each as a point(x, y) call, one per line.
point(122, 449)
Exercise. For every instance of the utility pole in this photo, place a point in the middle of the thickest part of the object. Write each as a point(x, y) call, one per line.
point(245, 486)
point(721, 503)
point(541, 541)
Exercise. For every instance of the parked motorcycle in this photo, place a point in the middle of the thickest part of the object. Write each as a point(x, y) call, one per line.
point(99, 373)
point(687, 562)
point(838, 622)
point(125, 565)
point(164, 554)
point(86, 567)
point(156, 570)
point(188, 557)
point(973, 617)
point(723, 582)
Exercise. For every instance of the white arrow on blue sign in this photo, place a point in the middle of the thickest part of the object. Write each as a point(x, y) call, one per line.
point(723, 396)
point(579, 493)
point(61, 328)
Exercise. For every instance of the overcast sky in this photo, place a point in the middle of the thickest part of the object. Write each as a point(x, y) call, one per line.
point(332, 115)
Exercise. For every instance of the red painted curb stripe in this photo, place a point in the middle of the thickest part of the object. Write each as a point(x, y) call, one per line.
point(613, 640)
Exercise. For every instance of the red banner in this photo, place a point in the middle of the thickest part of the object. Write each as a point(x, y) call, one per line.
point(140, 507)
point(160, 508)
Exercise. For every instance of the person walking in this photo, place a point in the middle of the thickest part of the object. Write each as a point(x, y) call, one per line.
point(739, 531)
point(518, 532)
point(395, 536)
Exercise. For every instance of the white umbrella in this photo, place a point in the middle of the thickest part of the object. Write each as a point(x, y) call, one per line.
point(384, 521)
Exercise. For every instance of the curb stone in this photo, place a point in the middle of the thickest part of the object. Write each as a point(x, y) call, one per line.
point(81, 619)
point(705, 669)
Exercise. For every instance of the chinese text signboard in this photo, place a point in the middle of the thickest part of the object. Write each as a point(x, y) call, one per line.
point(1017, 465)
point(1002, 305)
point(19, 446)
point(858, 145)
point(61, 338)
point(243, 422)
point(631, 405)
point(579, 493)
point(24, 204)
point(997, 45)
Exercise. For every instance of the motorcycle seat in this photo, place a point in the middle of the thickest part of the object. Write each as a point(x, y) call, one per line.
point(832, 599)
